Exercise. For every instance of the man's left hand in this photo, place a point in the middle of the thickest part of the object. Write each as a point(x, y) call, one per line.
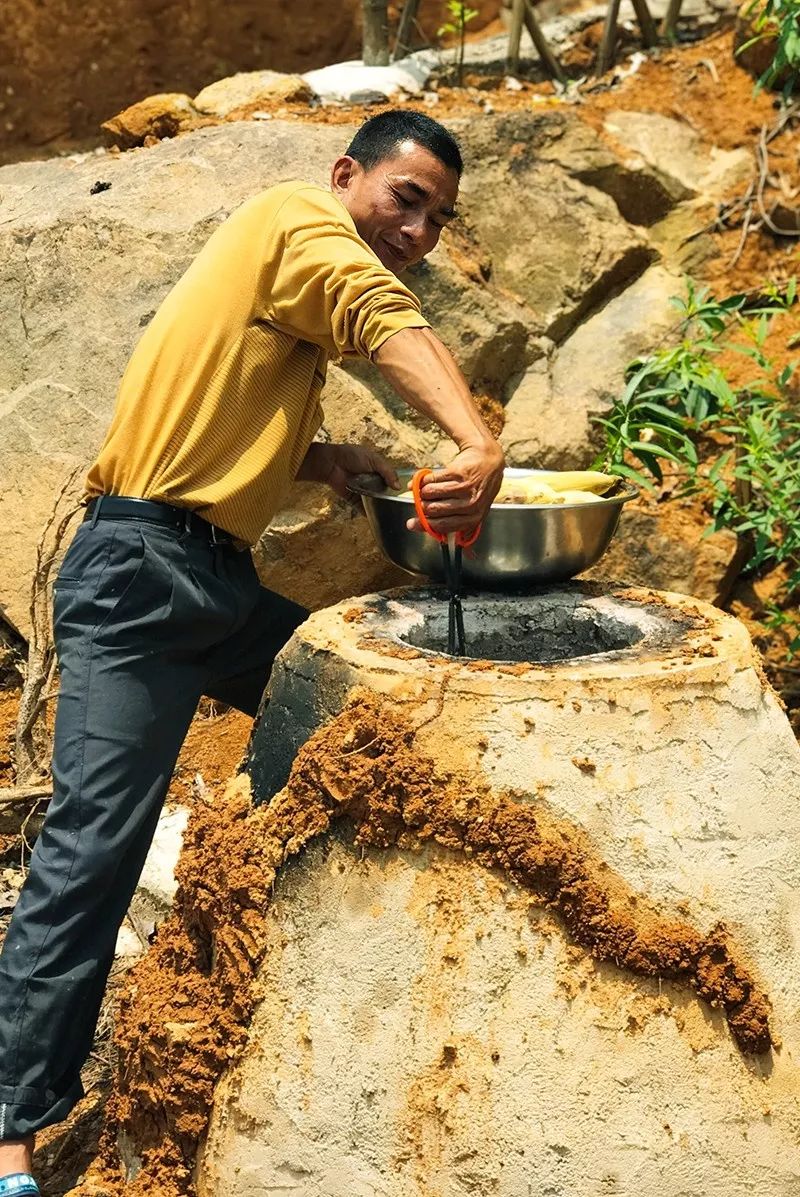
point(337, 464)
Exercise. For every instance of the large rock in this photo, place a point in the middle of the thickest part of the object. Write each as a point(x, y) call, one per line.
point(83, 274)
point(319, 548)
point(559, 137)
point(671, 547)
point(551, 408)
point(556, 244)
point(89, 246)
point(252, 88)
point(685, 164)
point(684, 238)
point(159, 116)
point(489, 334)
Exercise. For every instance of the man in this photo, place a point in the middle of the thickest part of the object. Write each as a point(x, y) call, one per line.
point(157, 602)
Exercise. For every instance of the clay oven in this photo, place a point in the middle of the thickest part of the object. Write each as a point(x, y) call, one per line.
point(545, 938)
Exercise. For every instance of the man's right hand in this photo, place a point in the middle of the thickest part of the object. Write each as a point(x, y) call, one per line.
point(424, 372)
point(458, 497)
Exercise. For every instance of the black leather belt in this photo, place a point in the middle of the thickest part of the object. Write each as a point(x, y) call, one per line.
point(119, 507)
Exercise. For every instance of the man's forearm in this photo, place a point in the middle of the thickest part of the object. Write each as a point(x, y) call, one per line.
point(423, 372)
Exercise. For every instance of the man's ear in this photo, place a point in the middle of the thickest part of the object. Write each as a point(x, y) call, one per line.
point(343, 173)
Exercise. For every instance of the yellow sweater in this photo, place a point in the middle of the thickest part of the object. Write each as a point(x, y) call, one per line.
point(220, 399)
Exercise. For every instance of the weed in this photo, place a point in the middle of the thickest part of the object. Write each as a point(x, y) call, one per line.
point(679, 399)
point(460, 16)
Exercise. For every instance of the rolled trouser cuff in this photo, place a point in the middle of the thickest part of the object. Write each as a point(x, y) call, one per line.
point(25, 1111)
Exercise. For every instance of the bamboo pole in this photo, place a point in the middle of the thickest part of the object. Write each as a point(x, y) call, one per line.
point(646, 23)
point(408, 16)
point(605, 54)
point(376, 32)
point(549, 60)
point(671, 18)
point(515, 36)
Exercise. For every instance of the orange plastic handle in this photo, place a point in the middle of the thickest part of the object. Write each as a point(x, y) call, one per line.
point(416, 487)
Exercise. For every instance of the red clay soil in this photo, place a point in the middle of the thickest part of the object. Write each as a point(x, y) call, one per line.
point(9, 702)
point(184, 1015)
point(213, 749)
point(210, 755)
point(717, 100)
point(100, 56)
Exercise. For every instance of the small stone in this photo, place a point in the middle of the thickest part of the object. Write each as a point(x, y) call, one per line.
point(368, 96)
point(786, 218)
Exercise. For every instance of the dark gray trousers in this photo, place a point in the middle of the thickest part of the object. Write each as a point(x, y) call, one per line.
point(147, 619)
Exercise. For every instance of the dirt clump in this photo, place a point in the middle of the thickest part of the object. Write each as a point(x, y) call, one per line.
point(353, 615)
point(184, 1015)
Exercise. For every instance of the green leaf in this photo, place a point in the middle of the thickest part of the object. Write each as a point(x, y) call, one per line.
point(650, 447)
point(626, 471)
point(665, 413)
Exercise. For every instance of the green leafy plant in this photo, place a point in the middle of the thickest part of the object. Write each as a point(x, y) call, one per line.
point(460, 16)
point(738, 447)
point(778, 20)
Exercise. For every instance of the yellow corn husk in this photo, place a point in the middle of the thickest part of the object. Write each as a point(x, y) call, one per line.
point(555, 486)
point(580, 496)
point(590, 480)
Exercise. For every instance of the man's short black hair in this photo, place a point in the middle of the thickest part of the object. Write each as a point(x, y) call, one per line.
point(379, 137)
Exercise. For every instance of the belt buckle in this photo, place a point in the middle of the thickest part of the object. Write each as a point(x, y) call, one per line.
point(194, 522)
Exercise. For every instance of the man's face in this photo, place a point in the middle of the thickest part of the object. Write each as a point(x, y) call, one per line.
point(400, 206)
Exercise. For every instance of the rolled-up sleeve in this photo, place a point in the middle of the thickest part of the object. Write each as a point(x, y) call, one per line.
point(323, 284)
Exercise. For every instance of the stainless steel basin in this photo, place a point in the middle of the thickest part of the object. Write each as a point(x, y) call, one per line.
point(519, 543)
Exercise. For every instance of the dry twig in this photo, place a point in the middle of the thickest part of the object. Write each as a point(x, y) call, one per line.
point(751, 206)
point(10, 795)
point(32, 748)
